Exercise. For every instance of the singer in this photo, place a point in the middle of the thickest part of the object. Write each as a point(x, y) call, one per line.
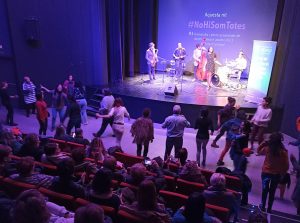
point(179, 56)
point(152, 59)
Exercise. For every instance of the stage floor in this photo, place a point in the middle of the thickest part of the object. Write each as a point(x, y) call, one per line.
point(189, 92)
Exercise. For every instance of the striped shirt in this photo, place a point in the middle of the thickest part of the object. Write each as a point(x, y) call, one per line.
point(29, 92)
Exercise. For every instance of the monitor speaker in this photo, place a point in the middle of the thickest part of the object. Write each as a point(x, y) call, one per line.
point(171, 90)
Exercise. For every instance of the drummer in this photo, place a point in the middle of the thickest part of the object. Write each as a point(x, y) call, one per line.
point(241, 64)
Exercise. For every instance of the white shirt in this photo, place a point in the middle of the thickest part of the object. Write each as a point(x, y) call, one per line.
point(197, 56)
point(241, 63)
point(262, 116)
point(119, 113)
point(107, 102)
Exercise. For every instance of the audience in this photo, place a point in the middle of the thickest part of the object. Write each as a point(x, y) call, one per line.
point(146, 206)
point(31, 147)
point(32, 207)
point(60, 133)
point(52, 154)
point(82, 165)
point(194, 211)
point(110, 163)
point(143, 132)
point(64, 182)
point(79, 137)
point(96, 149)
point(6, 167)
point(101, 192)
point(26, 174)
point(8, 138)
point(191, 172)
point(217, 194)
point(276, 163)
point(91, 213)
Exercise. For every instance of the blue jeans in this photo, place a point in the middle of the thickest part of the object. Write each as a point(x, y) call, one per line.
point(201, 145)
point(61, 113)
point(269, 185)
point(83, 106)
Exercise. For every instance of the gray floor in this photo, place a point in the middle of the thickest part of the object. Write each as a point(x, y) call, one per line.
point(28, 125)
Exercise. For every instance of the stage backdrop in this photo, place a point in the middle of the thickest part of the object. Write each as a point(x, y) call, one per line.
point(229, 26)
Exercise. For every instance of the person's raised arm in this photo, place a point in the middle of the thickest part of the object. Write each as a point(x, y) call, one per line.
point(44, 88)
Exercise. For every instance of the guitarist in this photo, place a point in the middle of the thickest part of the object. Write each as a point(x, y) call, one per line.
point(179, 56)
point(152, 59)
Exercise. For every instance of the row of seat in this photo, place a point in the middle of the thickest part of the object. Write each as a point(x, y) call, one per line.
point(172, 199)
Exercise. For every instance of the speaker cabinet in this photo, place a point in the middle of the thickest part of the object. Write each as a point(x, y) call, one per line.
point(171, 90)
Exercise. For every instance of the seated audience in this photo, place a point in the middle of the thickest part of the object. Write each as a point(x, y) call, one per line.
point(137, 174)
point(25, 168)
point(81, 165)
point(31, 147)
point(64, 182)
point(194, 211)
point(217, 194)
point(79, 137)
point(101, 192)
point(9, 139)
point(191, 172)
point(7, 167)
point(146, 206)
point(96, 149)
point(110, 163)
point(91, 213)
point(32, 207)
point(6, 205)
point(60, 133)
point(52, 154)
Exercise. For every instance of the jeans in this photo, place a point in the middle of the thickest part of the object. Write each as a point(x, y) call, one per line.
point(221, 133)
point(105, 122)
point(28, 107)
point(170, 142)
point(269, 185)
point(201, 145)
point(61, 113)
point(239, 162)
point(259, 131)
point(73, 122)
point(43, 126)
point(139, 149)
point(83, 106)
point(179, 68)
point(10, 114)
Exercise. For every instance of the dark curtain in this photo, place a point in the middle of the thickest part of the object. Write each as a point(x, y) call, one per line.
point(131, 25)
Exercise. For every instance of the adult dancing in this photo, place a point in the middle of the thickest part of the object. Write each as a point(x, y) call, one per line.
point(106, 105)
point(260, 120)
point(6, 102)
point(175, 125)
point(118, 113)
point(152, 59)
point(29, 95)
point(179, 56)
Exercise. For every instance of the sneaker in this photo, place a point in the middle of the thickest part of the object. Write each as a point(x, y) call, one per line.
point(261, 208)
point(214, 144)
point(220, 163)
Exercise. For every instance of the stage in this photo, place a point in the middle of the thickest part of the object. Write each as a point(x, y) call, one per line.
point(139, 92)
point(189, 91)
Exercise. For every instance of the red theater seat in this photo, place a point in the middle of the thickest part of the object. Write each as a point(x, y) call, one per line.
point(14, 188)
point(47, 168)
point(127, 159)
point(61, 143)
point(173, 200)
point(171, 183)
point(188, 187)
point(219, 212)
point(125, 217)
point(61, 199)
point(233, 183)
point(132, 187)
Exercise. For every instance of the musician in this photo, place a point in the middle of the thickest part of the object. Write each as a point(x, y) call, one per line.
point(210, 65)
point(241, 64)
point(197, 59)
point(179, 56)
point(152, 59)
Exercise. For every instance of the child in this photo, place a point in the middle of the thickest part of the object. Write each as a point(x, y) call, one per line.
point(42, 113)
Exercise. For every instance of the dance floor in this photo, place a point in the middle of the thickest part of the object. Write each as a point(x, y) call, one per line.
point(30, 124)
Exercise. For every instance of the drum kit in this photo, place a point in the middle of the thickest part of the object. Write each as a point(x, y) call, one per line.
point(228, 77)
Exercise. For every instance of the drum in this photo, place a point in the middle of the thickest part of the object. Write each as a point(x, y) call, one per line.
point(215, 80)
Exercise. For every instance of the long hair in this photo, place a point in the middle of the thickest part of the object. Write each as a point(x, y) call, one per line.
point(275, 143)
point(194, 208)
point(58, 95)
point(147, 198)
